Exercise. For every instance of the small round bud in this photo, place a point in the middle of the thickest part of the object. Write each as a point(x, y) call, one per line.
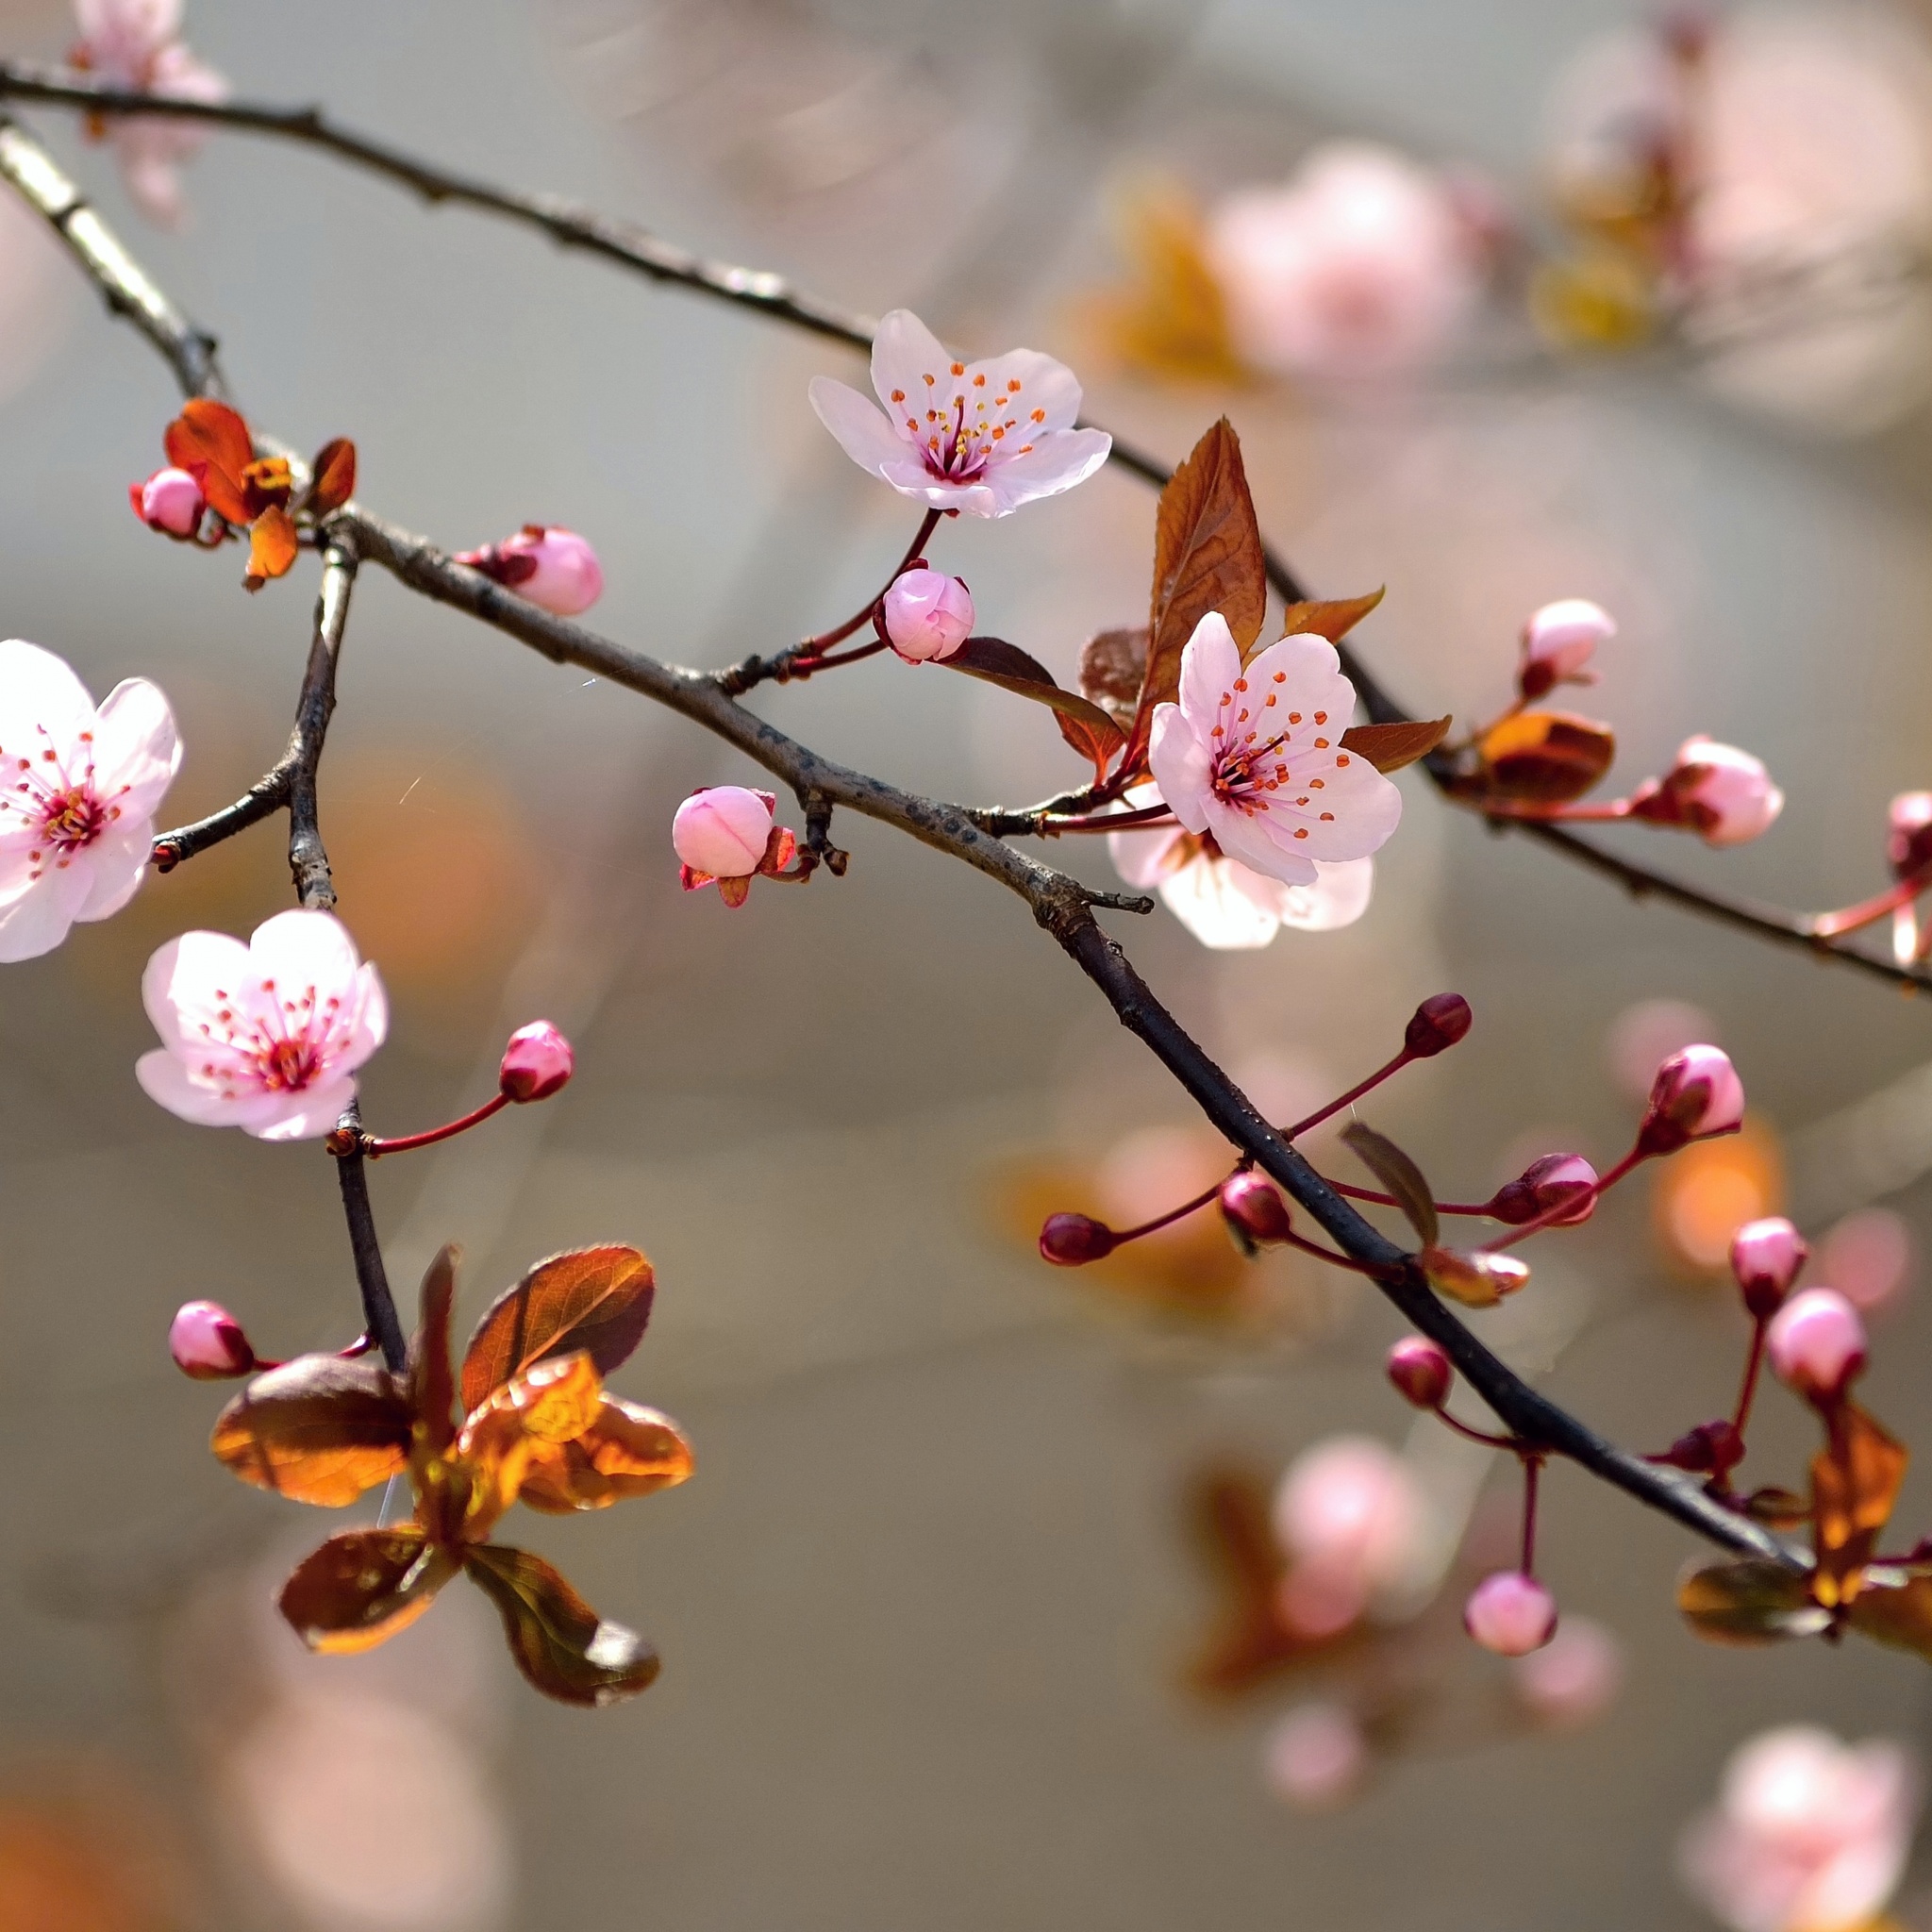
point(1723, 794)
point(723, 830)
point(1541, 1185)
point(1909, 834)
point(1477, 1280)
point(1558, 642)
point(1438, 1023)
point(171, 502)
point(549, 566)
point(1253, 1207)
point(1420, 1369)
point(1696, 1092)
point(1316, 1757)
point(207, 1343)
point(536, 1064)
point(1510, 1613)
point(1575, 1679)
point(1710, 1449)
point(1816, 1343)
point(1071, 1240)
point(1765, 1257)
point(928, 615)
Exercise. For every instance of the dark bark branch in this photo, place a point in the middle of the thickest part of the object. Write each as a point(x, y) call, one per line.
point(372, 1277)
point(308, 858)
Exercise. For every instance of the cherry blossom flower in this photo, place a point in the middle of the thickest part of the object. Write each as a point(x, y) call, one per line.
point(978, 437)
point(78, 788)
point(1351, 1518)
point(1360, 265)
point(1765, 1259)
point(265, 1036)
point(1510, 1613)
point(207, 1342)
point(1868, 1257)
point(1316, 1757)
point(1809, 1835)
point(724, 835)
point(536, 1064)
point(171, 502)
point(1253, 757)
point(1723, 794)
point(928, 615)
point(1559, 642)
point(1816, 1343)
point(546, 565)
point(1696, 1091)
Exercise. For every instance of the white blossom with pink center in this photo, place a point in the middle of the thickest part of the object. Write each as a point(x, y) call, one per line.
point(1225, 904)
point(978, 437)
point(1255, 757)
point(1809, 1835)
point(265, 1036)
point(1360, 265)
point(78, 788)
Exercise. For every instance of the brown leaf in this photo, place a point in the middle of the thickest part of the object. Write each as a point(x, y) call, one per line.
point(1896, 1612)
point(1083, 724)
point(558, 1641)
point(1545, 758)
point(432, 1388)
point(1388, 748)
point(1399, 1175)
point(1854, 1482)
point(363, 1586)
point(272, 547)
point(597, 1299)
point(1332, 618)
point(1208, 556)
point(1780, 1509)
point(550, 1403)
point(1753, 1600)
point(627, 1451)
point(335, 477)
point(212, 442)
point(1113, 667)
point(319, 1429)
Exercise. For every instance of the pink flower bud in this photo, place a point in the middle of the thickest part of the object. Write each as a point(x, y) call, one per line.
point(171, 502)
point(1723, 794)
point(928, 615)
point(1574, 1678)
point(1765, 1257)
point(536, 1064)
point(1316, 1757)
point(1909, 834)
point(1696, 1092)
point(207, 1343)
point(1510, 1613)
point(1253, 1207)
point(1558, 642)
point(1071, 1240)
point(1816, 1343)
point(723, 830)
point(1541, 1185)
point(551, 567)
point(1421, 1369)
point(1437, 1025)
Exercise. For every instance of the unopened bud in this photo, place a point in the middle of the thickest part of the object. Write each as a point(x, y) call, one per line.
point(928, 615)
point(1510, 1613)
point(1253, 1207)
point(207, 1343)
point(1071, 1240)
point(1420, 1369)
point(1696, 1092)
point(1909, 834)
point(553, 568)
point(1558, 642)
point(1723, 794)
point(1541, 1185)
point(1816, 1343)
point(1765, 1257)
point(1477, 1280)
point(536, 1064)
point(723, 830)
point(171, 502)
point(1437, 1025)
point(1710, 1449)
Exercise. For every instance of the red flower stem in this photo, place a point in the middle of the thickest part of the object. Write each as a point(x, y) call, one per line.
point(1532, 1472)
point(1568, 1204)
point(810, 647)
point(1335, 1260)
point(810, 667)
point(1356, 1194)
point(1829, 926)
point(375, 1149)
point(1172, 1214)
point(1754, 1363)
point(1108, 821)
point(1482, 1436)
point(1606, 813)
point(1354, 1094)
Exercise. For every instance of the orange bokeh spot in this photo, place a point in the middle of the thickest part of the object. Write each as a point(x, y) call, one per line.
point(1709, 1191)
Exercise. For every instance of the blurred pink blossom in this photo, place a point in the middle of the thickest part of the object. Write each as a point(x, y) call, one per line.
point(1316, 1757)
point(1558, 642)
point(1574, 1678)
point(1816, 1343)
point(1350, 1516)
point(1868, 1257)
point(171, 502)
point(1510, 1613)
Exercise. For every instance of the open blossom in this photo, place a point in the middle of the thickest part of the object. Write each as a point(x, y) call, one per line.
point(1809, 1835)
point(265, 1036)
point(78, 788)
point(1253, 757)
point(978, 437)
point(546, 564)
point(1723, 794)
point(1361, 264)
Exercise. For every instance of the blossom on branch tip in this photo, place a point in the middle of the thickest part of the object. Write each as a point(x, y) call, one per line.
point(79, 788)
point(979, 437)
point(1816, 1343)
point(725, 834)
point(208, 1344)
point(1511, 1614)
point(1765, 1259)
point(1723, 794)
point(545, 565)
point(536, 1064)
point(1696, 1092)
point(265, 1036)
point(1253, 756)
point(927, 615)
point(171, 502)
point(1559, 642)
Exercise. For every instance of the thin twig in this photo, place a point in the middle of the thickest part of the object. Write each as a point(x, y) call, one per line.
point(308, 858)
point(372, 1277)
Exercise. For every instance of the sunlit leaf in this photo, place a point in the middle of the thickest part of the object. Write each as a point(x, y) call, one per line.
point(1207, 556)
point(625, 1451)
point(1388, 748)
point(1895, 1608)
point(1172, 317)
point(335, 477)
point(1854, 1482)
point(1328, 617)
point(1113, 667)
point(319, 1429)
point(1753, 1600)
point(1399, 1175)
point(432, 1387)
point(272, 547)
point(548, 1405)
point(211, 442)
point(1544, 757)
point(597, 1299)
point(363, 1586)
point(559, 1643)
point(1083, 723)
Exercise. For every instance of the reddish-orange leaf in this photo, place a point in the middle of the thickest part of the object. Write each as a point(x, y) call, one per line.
point(432, 1387)
point(1854, 1482)
point(335, 477)
point(1082, 723)
point(1753, 1600)
point(1113, 667)
point(1208, 556)
point(627, 1451)
point(559, 1643)
point(597, 1299)
point(272, 547)
point(212, 440)
point(1388, 748)
point(1897, 1608)
point(363, 1586)
point(1544, 757)
point(320, 1429)
point(1328, 617)
point(268, 481)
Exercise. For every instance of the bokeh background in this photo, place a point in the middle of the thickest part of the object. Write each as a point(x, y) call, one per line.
point(928, 1606)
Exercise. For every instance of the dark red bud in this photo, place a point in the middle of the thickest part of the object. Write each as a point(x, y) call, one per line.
point(1421, 1371)
point(1909, 834)
point(536, 1064)
point(1541, 1185)
point(1710, 1449)
point(1439, 1023)
point(1071, 1240)
point(1253, 1209)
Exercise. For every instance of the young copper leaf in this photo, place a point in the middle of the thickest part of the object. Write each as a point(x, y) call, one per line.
point(1780, 1509)
point(1083, 724)
point(363, 1586)
point(1388, 748)
point(1753, 1600)
point(1399, 1175)
point(558, 1641)
point(1854, 1482)
point(212, 442)
point(1330, 618)
point(1113, 667)
point(597, 1299)
point(1208, 556)
point(335, 477)
point(1545, 758)
point(550, 1403)
point(318, 1429)
point(627, 1451)
point(1249, 1643)
point(272, 547)
point(1898, 1614)
point(432, 1387)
